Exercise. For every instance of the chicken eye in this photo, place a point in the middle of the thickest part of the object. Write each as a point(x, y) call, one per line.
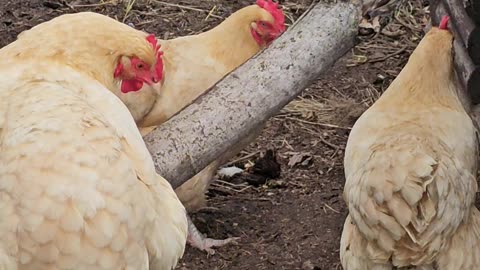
point(140, 66)
point(263, 24)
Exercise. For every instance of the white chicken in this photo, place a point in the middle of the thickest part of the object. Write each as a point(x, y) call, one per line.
point(195, 63)
point(78, 187)
point(410, 167)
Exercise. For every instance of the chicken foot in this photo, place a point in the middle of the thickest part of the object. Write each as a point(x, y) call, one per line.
point(198, 240)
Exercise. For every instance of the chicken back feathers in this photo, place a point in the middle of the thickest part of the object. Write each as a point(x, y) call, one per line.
point(79, 189)
point(410, 167)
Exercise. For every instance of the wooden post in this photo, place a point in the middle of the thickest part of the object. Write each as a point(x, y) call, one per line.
point(467, 30)
point(468, 72)
point(473, 10)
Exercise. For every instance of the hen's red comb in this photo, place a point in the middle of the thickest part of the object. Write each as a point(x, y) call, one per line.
point(444, 22)
point(276, 12)
point(153, 40)
point(159, 65)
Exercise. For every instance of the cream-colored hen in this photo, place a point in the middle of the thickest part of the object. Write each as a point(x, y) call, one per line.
point(410, 167)
point(78, 188)
point(195, 63)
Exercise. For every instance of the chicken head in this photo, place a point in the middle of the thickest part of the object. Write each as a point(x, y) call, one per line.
point(268, 28)
point(134, 72)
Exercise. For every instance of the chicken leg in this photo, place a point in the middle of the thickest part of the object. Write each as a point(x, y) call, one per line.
point(192, 196)
point(198, 240)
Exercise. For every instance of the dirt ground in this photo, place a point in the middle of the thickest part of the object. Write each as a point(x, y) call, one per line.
point(295, 221)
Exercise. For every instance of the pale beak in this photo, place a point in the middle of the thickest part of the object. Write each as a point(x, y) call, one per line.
point(155, 78)
point(150, 79)
point(276, 33)
point(156, 87)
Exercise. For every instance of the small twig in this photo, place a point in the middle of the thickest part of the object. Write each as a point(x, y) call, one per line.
point(297, 184)
point(334, 153)
point(317, 124)
point(185, 7)
point(242, 158)
point(380, 59)
point(128, 8)
point(144, 22)
point(260, 199)
point(407, 26)
point(285, 142)
point(230, 184)
point(289, 17)
point(245, 188)
point(223, 189)
point(91, 5)
point(229, 189)
point(211, 12)
point(369, 47)
point(335, 147)
point(329, 207)
point(336, 90)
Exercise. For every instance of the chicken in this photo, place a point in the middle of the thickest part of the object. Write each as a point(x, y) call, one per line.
point(410, 168)
point(78, 186)
point(195, 63)
point(138, 102)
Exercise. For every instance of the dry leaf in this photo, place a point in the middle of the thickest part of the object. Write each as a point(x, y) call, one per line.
point(302, 158)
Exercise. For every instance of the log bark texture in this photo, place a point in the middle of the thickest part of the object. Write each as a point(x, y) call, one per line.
point(473, 9)
point(468, 72)
point(254, 92)
point(467, 30)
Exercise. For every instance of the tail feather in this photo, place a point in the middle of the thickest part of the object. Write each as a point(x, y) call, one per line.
point(463, 251)
point(356, 252)
point(6, 261)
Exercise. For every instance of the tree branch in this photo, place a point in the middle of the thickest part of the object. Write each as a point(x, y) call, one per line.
point(251, 94)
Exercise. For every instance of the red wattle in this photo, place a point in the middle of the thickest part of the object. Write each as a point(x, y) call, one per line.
point(131, 86)
point(256, 37)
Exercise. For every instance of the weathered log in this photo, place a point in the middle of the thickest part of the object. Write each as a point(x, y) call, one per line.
point(473, 10)
point(467, 30)
point(468, 72)
point(254, 92)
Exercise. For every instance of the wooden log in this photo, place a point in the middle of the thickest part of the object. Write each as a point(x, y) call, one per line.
point(468, 72)
point(467, 30)
point(251, 94)
point(473, 10)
